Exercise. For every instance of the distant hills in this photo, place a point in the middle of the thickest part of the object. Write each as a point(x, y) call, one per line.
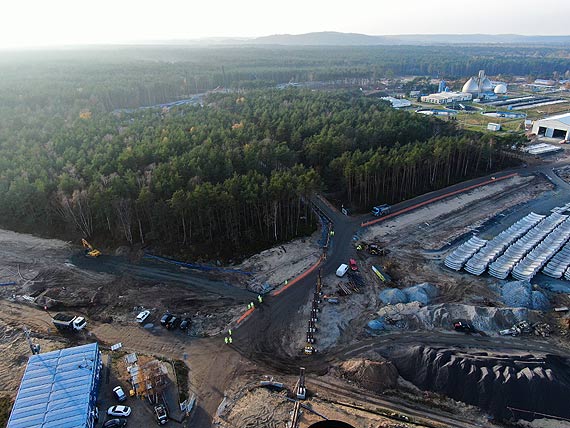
point(332, 38)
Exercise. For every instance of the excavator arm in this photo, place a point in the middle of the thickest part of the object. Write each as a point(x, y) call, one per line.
point(89, 250)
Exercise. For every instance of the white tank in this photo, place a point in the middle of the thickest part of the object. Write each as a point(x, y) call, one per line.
point(471, 86)
point(500, 89)
point(486, 85)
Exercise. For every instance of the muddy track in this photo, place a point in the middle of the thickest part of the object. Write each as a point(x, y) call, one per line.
point(418, 414)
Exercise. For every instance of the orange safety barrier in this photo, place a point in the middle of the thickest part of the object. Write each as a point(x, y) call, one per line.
point(300, 277)
point(245, 315)
point(429, 201)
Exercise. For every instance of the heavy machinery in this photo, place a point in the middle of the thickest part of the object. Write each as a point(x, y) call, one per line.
point(89, 250)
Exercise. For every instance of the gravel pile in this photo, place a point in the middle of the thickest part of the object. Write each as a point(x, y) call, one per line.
point(519, 294)
point(492, 382)
point(422, 293)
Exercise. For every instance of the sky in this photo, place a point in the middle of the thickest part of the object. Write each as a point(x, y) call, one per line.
point(31, 23)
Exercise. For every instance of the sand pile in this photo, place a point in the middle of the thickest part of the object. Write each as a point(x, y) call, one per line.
point(375, 376)
point(492, 382)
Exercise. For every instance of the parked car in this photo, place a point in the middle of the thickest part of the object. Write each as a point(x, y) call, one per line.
point(353, 265)
point(185, 324)
point(342, 269)
point(115, 423)
point(333, 300)
point(173, 323)
point(123, 411)
point(141, 317)
point(160, 413)
point(119, 394)
point(166, 319)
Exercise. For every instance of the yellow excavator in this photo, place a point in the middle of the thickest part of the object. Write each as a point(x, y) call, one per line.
point(89, 250)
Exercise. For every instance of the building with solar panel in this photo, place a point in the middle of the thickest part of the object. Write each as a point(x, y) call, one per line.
point(59, 389)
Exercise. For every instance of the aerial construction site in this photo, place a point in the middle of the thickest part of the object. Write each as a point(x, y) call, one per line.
point(384, 320)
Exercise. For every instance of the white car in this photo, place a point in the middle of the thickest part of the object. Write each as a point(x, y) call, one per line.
point(121, 411)
point(143, 316)
point(119, 394)
point(342, 269)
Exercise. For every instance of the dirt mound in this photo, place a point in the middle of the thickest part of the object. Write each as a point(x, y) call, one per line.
point(488, 319)
point(492, 382)
point(375, 376)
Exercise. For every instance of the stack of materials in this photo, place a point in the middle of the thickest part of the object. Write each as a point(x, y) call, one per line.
point(533, 262)
point(502, 267)
point(457, 259)
point(559, 263)
point(480, 261)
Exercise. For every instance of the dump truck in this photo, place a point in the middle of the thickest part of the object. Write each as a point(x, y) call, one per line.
point(69, 322)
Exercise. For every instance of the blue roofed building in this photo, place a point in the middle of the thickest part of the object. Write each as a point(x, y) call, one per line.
point(59, 389)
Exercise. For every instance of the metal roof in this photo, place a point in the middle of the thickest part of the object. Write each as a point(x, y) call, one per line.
point(563, 118)
point(56, 389)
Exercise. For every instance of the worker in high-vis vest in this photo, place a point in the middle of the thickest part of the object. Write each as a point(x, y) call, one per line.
point(259, 298)
point(230, 339)
point(230, 331)
point(226, 340)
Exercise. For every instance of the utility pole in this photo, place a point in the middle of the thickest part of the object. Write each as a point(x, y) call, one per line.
point(34, 347)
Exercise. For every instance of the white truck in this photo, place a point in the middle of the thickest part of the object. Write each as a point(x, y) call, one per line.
point(69, 322)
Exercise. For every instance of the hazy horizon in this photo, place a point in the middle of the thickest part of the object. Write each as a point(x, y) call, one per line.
point(34, 23)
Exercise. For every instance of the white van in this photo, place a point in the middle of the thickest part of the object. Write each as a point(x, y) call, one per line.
point(342, 269)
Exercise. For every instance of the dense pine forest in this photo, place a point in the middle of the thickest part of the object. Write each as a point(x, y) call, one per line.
point(233, 174)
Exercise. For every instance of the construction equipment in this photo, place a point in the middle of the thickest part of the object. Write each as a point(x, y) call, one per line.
point(310, 349)
point(89, 250)
point(301, 390)
point(69, 322)
point(34, 347)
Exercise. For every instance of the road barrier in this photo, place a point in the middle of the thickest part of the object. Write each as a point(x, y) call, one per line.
point(245, 315)
point(437, 198)
point(300, 277)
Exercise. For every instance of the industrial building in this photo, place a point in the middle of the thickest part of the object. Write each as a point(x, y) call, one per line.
point(59, 390)
point(397, 102)
point(447, 97)
point(480, 86)
point(553, 127)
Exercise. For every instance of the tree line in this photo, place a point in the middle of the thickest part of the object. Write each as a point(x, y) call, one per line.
point(233, 175)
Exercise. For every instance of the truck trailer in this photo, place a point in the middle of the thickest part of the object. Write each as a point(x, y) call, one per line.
point(69, 322)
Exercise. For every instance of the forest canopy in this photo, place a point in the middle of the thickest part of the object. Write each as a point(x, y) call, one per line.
point(78, 157)
point(237, 172)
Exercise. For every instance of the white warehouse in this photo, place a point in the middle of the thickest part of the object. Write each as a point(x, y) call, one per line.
point(447, 97)
point(553, 126)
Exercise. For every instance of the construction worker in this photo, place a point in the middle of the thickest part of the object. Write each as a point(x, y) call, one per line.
point(230, 339)
point(252, 305)
point(259, 298)
point(230, 331)
point(226, 340)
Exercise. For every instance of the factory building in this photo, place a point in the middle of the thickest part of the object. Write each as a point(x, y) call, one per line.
point(59, 390)
point(447, 97)
point(553, 127)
